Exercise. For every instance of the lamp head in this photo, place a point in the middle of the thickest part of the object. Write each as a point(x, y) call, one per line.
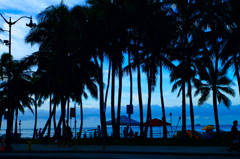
point(170, 114)
point(31, 24)
point(6, 42)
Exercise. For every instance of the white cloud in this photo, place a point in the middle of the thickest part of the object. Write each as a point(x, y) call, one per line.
point(196, 117)
point(31, 6)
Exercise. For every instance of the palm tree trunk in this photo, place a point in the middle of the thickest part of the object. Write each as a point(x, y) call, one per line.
point(102, 107)
point(119, 98)
point(215, 95)
point(139, 92)
point(191, 108)
point(150, 117)
point(47, 123)
point(54, 117)
point(0, 121)
point(162, 103)
point(50, 110)
point(35, 124)
point(237, 72)
point(62, 117)
point(149, 75)
point(16, 122)
point(12, 116)
point(68, 112)
point(112, 100)
point(108, 84)
point(216, 113)
point(81, 113)
point(183, 91)
point(63, 107)
point(190, 96)
point(131, 88)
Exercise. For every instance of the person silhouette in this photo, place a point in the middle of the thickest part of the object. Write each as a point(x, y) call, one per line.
point(234, 136)
point(40, 133)
point(99, 135)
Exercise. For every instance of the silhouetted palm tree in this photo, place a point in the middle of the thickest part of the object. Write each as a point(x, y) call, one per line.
point(215, 83)
point(20, 90)
point(188, 18)
point(230, 55)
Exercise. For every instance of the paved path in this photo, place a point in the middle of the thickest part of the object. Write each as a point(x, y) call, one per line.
point(153, 150)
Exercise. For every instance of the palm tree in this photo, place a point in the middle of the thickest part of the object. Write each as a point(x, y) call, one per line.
point(3, 73)
point(188, 18)
point(230, 55)
point(216, 19)
point(49, 35)
point(215, 83)
point(20, 90)
point(35, 91)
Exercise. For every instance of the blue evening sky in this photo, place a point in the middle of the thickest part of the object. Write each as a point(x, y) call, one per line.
point(203, 115)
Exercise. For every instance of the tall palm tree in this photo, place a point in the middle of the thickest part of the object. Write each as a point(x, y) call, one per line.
point(37, 100)
point(54, 46)
point(230, 55)
point(216, 19)
point(215, 83)
point(188, 18)
point(20, 90)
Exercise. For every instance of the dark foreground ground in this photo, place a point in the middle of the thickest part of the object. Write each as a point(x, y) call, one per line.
point(102, 156)
point(116, 151)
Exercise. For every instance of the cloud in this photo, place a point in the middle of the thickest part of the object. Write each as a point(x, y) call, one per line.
point(196, 117)
point(29, 6)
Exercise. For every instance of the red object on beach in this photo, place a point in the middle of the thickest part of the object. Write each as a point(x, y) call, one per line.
point(157, 122)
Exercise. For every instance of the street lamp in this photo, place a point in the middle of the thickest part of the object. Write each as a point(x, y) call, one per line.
point(171, 122)
point(9, 129)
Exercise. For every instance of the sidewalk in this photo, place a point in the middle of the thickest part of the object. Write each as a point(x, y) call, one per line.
point(158, 150)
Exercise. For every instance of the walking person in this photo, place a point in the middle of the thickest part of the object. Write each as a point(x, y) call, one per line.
point(131, 132)
point(70, 135)
point(234, 136)
point(99, 135)
point(67, 135)
point(125, 132)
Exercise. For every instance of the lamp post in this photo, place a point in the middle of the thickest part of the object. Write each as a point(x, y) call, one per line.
point(171, 122)
point(10, 110)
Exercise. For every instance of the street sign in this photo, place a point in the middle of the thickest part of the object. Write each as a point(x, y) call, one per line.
point(72, 112)
point(129, 109)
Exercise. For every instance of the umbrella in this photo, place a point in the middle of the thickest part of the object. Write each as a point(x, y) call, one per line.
point(124, 120)
point(209, 127)
point(157, 122)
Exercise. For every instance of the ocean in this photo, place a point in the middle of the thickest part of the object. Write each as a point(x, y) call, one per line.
point(157, 131)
